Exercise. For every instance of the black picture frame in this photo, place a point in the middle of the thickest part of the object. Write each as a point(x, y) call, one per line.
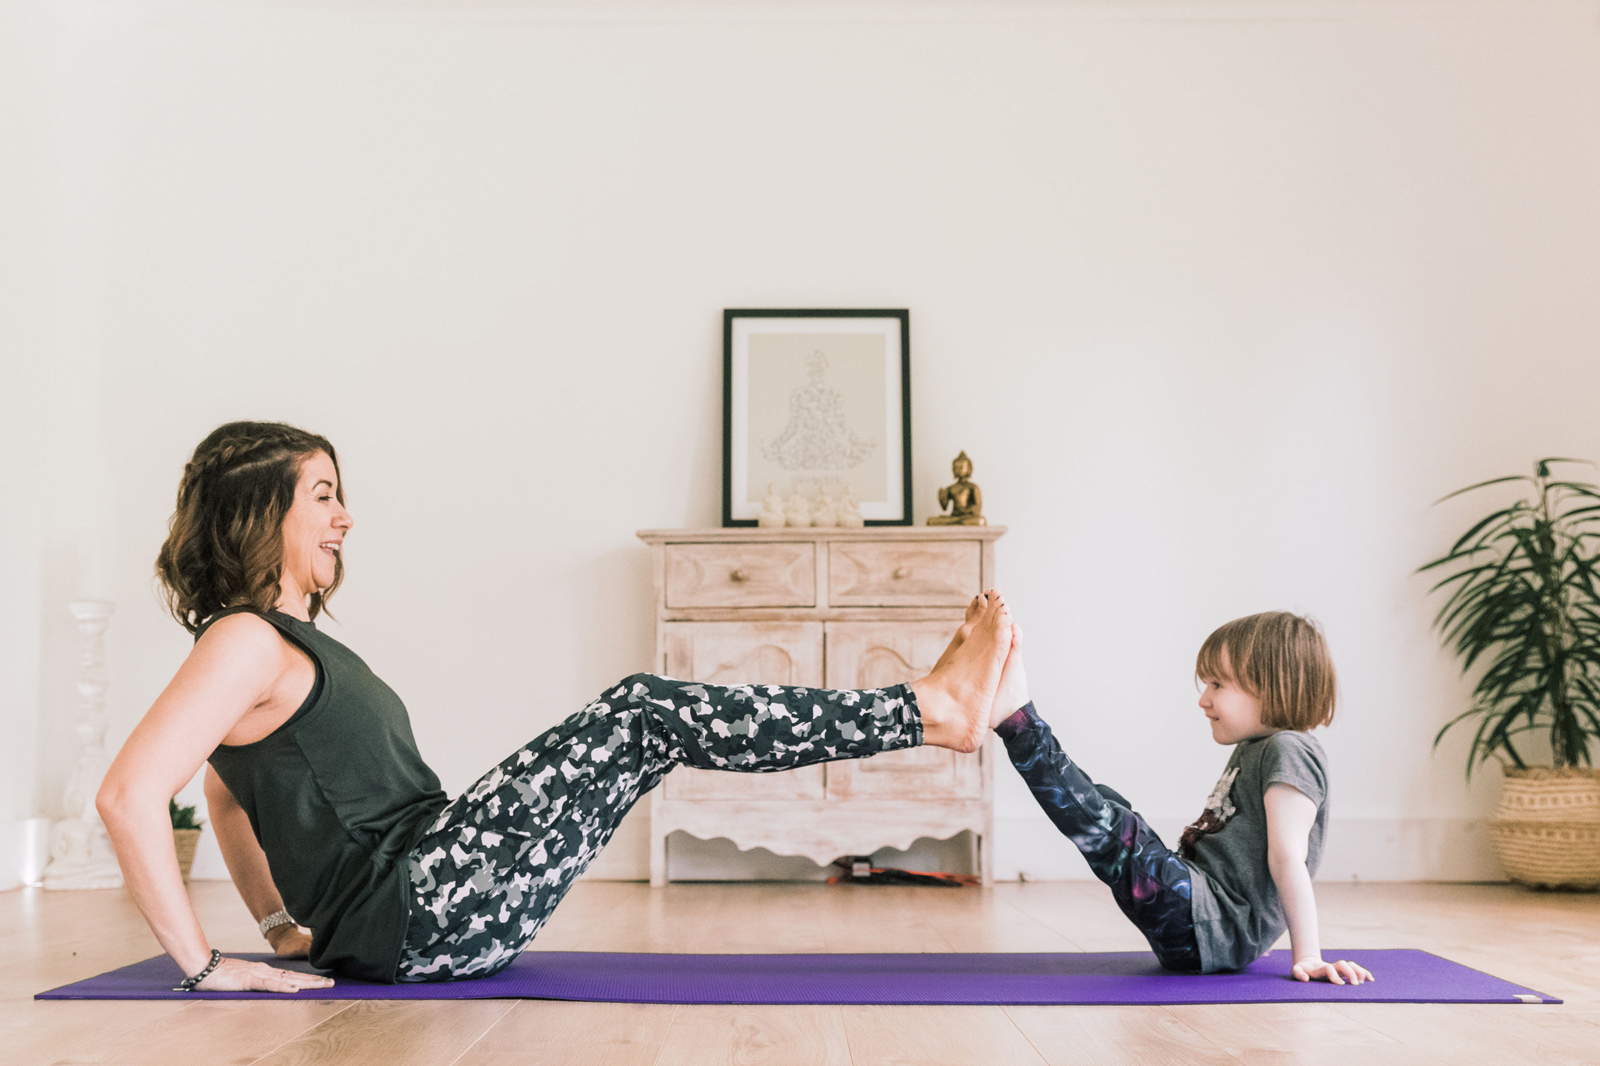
point(731, 317)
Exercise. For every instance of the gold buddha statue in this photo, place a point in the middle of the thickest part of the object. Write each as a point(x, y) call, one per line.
point(964, 499)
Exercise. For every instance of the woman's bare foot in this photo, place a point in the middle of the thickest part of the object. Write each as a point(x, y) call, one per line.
point(964, 630)
point(1012, 695)
point(957, 697)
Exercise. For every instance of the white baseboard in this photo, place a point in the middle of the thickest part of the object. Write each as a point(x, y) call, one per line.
point(24, 850)
point(1358, 849)
point(1409, 849)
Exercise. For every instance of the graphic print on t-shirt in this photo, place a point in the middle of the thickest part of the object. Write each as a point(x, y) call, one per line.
point(1219, 809)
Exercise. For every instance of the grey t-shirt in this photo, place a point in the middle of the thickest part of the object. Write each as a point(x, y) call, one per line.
point(1237, 912)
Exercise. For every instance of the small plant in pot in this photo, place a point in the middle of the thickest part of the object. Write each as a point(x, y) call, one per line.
point(185, 835)
point(1523, 600)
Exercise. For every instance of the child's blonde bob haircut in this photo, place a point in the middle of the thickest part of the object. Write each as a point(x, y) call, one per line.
point(1281, 660)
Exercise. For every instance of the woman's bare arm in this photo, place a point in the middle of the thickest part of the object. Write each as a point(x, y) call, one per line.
point(231, 670)
point(247, 865)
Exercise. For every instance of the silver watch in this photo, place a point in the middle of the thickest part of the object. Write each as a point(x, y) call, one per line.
point(272, 921)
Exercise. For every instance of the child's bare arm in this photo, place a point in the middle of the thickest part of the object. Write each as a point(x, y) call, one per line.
point(1290, 815)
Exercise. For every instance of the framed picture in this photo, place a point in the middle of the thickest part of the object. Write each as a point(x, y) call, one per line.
point(816, 414)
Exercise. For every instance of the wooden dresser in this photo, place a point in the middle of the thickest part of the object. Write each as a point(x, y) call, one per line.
point(831, 608)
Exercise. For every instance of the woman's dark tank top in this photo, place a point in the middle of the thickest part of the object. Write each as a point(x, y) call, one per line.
point(338, 796)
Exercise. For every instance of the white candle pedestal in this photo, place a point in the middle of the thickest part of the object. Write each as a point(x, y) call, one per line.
point(80, 849)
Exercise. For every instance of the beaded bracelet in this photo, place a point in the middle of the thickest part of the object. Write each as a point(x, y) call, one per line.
point(188, 983)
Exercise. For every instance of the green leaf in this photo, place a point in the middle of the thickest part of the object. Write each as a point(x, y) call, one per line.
point(1498, 516)
point(1482, 485)
point(1520, 606)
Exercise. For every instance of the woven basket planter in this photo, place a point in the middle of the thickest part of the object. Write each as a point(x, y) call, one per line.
point(1546, 830)
point(185, 840)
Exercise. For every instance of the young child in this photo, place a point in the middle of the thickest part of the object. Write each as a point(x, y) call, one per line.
point(1242, 872)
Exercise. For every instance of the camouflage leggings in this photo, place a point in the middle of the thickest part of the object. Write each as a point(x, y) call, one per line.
point(497, 860)
point(1149, 882)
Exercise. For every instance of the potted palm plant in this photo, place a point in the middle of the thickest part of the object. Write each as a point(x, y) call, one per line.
point(1522, 597)
point(185, 835)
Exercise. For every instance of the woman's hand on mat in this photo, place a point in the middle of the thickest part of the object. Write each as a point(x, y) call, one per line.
point(289, 941)
point(237, 975)
point(1339, 973)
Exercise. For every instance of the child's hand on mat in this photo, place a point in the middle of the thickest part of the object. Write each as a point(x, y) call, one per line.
point(290, 942)
point(1341, 972)
point(237, 975)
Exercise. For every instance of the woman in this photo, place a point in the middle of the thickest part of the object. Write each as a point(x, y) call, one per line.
point(321, 804)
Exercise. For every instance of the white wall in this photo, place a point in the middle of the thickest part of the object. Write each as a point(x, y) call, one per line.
point(27, 257)
point(1217, 295)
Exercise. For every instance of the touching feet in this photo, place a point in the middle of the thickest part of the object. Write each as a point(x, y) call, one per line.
point(1012, 695)
point(957, 697)
point(964, 630)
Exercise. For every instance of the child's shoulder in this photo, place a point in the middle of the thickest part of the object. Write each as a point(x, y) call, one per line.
point(1299, 740)
point(1295, 757)
point(1284, 743)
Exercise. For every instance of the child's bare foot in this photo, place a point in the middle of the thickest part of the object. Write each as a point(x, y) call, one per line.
point(1012, 694)
point(957, 697)
point(963, 631)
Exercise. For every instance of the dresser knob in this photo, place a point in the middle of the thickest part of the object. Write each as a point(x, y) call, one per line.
point(739, 575)
point(901, 572)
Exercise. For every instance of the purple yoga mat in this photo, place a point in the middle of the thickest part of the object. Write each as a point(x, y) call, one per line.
point(1120, 977)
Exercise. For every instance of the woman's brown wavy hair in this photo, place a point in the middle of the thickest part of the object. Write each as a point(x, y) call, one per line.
point(225, 541)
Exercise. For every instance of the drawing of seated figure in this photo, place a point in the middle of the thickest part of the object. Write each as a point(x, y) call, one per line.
point(817, 436)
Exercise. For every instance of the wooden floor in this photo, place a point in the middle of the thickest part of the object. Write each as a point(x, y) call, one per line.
point(1546, 941)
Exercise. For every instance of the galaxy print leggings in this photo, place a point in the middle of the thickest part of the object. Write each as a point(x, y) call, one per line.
point(497, 860)
point(1149, 882)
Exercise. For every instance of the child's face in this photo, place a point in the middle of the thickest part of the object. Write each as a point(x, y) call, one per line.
point(1234, 714)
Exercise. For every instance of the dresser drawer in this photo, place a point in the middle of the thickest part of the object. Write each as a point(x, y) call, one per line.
point(900, 574)
point(741, 575)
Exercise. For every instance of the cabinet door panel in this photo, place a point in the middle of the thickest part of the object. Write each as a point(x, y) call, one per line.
point(876, 655)
point(745, 653)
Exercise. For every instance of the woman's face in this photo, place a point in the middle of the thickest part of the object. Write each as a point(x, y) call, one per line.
point(313, 530)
